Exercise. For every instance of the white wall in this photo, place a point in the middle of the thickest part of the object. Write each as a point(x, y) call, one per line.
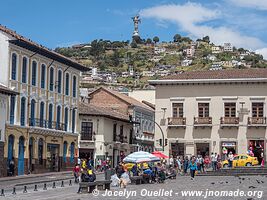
point(143, 95)
point(4, 58)
point(3, 111)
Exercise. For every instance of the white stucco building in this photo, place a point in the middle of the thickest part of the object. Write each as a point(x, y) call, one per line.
point(203, 111)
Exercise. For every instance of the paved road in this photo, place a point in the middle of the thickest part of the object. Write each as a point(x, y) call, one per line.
point(173, 187)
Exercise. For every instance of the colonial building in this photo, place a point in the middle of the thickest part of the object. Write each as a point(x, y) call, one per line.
point(41, 127)
point(104, 133)
point(141, 115)
point(204, 111)
point(5, 92)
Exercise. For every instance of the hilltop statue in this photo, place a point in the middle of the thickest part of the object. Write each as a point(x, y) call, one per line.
point(136, 19)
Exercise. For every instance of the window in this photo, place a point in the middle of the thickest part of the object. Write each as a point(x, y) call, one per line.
point(51, 85)
point(32, 119)
point(34, 72)
point(41, 114)
point(50, 115)
point(73, 120)
point(72, 146)
point(257, 109)
point(177, 110)
point(67, 83)
point(114, 132)
point(203, 110)
point(40, 151)
point(65, 147)
point(12, 109)
point(43, 69)
point(87, 131)
point(22, 111)
point(58, 117)
point(24, 70)
point(230, 109)
point(14, 66)
point(66, 118)
point(59, 79)
point(74, 86)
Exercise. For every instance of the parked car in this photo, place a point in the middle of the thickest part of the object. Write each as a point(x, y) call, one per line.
point(242, 160)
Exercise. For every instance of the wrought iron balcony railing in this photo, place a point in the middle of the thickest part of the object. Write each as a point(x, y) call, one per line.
point(257, 121)
point(47, 124)
point(202, 120)
point(176, 121)
point(229, 120)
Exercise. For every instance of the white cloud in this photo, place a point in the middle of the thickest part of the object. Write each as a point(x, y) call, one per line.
point(191, 17)
point(263, 52)
point(258, 4)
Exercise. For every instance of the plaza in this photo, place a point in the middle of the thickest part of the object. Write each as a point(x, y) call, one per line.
point(203, 187)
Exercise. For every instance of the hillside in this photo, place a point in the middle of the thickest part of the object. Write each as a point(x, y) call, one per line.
point(133, 64)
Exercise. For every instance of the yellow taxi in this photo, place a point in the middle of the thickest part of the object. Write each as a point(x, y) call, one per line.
point(242, 160)
point(129, 166)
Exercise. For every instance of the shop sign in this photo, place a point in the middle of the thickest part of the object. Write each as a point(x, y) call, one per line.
point(228, 144)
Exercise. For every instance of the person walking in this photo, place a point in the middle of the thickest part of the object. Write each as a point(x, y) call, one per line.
point(230, 159)
point(186, 163)
point(76, 173)
point(213, 160)
point(193, 167)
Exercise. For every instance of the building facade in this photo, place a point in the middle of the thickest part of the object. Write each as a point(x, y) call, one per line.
point(104, 134)
point(203, 112)
point(141, 115)
point(41, 127)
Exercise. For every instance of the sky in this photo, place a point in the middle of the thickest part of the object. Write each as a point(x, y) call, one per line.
point(57, 23)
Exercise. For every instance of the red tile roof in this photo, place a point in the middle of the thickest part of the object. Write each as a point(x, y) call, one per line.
point(41, 48)
point(125, 98)
point(220, 74)
point(93, 110)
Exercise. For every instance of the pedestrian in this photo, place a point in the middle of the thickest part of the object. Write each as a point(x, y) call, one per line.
point(230, 159)
point(179, 165)
point(186, 163)
point(171, 162)
point(193, 167)
point(12, 167)
point(213, 159)
point(76, 173)
point(79, 161)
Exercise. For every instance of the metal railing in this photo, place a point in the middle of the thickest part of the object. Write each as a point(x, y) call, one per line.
point(257, 121)
point(177, 121)
point(47, 124)
point(202, 120)
point(230, 120)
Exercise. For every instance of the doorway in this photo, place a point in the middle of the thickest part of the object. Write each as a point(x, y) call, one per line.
point(53, 157)
point(31, 150)
point(202, 149)
point(21, 156)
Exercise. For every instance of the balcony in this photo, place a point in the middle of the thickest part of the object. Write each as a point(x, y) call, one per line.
point(257, 121)
point(34, 122)
point(229, 122)
point(176, 122)
point(203, 121)
point(120, 139)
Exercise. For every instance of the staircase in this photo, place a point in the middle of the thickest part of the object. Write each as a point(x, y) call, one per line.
point(238, 171)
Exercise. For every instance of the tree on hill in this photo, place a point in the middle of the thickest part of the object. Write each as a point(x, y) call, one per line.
point(177, 38)
point(148, 41)
point(156, 39)
point(206, 39)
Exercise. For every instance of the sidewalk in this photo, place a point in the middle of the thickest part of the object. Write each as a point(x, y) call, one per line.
point(24, 177)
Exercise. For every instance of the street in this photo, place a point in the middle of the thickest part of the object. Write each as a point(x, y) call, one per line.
point(251, 187)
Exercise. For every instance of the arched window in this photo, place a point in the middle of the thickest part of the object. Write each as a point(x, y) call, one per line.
point(51, 83)
point(59, 79)
point(10, 148)
point(32, 120)
point(43, 69)
point(22, 111)
point(58, 117)
point(73, 120)
point(12, 109)
point(42, 114)
point(50, 116)
point(67, 84)
point(72, 146)
point(74, 85)
point(14, 66)
point(34, 72)
point(66, 120)
point(65, 147)
point(40, 151)
point(24, 70)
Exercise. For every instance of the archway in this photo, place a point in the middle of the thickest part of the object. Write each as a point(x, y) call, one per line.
point(31, 153)
point(21, 156)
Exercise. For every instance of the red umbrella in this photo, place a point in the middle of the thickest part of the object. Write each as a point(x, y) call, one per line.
point(159, 154)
